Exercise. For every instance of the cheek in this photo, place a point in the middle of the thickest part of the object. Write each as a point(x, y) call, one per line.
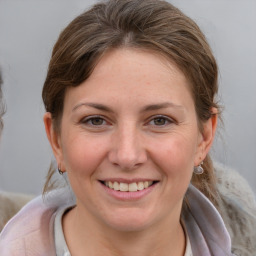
point(175, 161)
point(176, 157)
point(82, 154)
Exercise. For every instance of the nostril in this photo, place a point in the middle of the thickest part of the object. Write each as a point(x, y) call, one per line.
point(128, 161)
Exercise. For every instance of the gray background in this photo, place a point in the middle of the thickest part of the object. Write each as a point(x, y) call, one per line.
point(28, 30)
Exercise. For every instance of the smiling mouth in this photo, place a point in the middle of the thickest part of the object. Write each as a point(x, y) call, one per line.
point(128, 187)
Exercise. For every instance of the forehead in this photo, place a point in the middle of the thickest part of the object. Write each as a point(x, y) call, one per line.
point(134, 74)
point(134, 61)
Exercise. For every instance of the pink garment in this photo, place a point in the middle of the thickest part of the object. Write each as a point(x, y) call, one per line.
point(30, 232)
point(206, 230)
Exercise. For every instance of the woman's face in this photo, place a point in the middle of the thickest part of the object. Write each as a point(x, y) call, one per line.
point(131, 126)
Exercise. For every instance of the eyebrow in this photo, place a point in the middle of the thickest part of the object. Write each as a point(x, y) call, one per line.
point(161, 106)
point(93, 105)
point(147, 108)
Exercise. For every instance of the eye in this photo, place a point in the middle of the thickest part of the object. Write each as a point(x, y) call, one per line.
point(94, 121)
point(160, 121)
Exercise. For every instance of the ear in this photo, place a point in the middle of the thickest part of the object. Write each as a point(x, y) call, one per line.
point(54, 139)
point(206, 137)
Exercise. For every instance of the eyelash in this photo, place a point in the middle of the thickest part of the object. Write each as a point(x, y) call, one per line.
point(167, 121)
point(89, 121)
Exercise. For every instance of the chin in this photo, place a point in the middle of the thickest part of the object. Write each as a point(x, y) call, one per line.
point(130, 226)
point(129, 221)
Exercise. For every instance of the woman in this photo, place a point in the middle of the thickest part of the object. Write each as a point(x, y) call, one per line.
point(131, 115)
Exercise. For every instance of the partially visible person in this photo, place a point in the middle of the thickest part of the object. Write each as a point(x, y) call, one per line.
point(10, 203)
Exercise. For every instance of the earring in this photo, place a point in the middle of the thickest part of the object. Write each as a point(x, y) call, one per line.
point(60, 171)
point(199, 169)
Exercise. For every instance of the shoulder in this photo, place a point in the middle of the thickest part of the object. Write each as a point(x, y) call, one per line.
point(238, 209)
point(30, 231)
point(10, 204)
point(233, 186)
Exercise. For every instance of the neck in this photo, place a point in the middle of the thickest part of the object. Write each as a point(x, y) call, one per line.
point(95, 239)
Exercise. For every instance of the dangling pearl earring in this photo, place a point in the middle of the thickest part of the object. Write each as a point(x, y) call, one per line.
point(199, 169)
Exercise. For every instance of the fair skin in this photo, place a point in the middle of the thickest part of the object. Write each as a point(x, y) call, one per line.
point(133, 121)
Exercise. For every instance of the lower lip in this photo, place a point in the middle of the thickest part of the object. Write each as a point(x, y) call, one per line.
point(128, 196)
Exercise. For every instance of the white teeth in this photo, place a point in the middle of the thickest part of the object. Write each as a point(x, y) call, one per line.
point(131, 187)
point(116, 186)
point(141, 185)
point(110, 184)
point(124, 187)
point(145, 184)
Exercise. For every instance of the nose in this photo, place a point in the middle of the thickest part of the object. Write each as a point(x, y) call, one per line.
point(127, 148)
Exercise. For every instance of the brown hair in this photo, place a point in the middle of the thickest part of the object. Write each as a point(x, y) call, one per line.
point(143, 24)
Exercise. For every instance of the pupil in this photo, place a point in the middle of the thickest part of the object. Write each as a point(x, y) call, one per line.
point(97, 121)
point(159, 121)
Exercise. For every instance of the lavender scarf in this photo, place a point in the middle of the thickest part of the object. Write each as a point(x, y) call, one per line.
point(30, 232)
